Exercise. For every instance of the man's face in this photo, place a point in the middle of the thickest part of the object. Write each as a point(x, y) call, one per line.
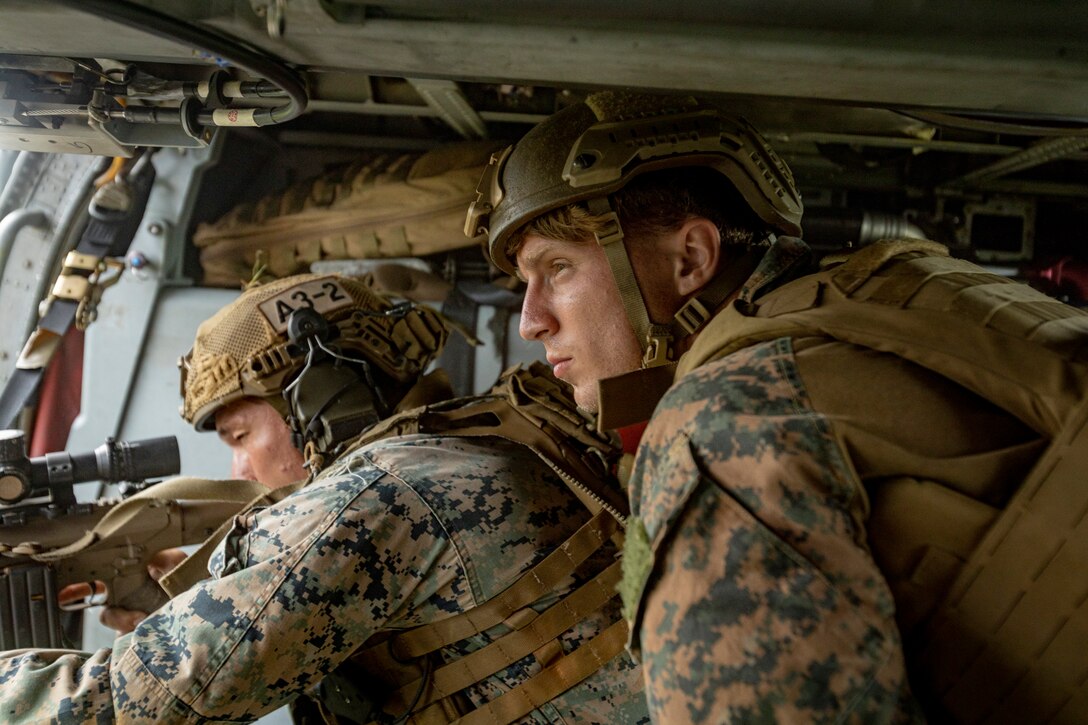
point(260, 441)
point(572, 306)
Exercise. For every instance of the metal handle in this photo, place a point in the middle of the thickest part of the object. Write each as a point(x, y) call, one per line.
point(11, 225)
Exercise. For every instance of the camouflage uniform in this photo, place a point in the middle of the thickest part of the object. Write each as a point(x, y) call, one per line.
point(758, 598)
point(399, 533)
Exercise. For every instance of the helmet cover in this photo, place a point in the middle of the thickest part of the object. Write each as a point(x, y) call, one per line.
point(243, 349)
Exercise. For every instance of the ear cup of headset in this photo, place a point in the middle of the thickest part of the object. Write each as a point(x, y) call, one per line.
point(330, 403)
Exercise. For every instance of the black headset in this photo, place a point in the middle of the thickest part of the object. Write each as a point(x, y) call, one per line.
point(334, 397)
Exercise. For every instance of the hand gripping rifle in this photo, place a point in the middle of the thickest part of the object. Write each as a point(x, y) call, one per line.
point(48, 540)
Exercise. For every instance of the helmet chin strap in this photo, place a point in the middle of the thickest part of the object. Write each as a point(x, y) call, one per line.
point(655, 339)
point(660, 341)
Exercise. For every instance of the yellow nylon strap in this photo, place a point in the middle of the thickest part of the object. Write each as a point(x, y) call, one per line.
point(535, 633)
point(553, 681)
point(540, 580)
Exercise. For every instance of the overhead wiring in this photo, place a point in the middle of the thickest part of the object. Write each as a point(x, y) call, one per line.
point(216, 44)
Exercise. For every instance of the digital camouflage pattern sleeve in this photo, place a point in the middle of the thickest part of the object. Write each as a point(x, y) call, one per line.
point(756, 598)
point(386, 541)
point(284, 610)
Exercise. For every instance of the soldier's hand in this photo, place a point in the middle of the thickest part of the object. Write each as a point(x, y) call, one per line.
point(125, 620)
point(120, 619)
point(164, 562)
point(117, 618)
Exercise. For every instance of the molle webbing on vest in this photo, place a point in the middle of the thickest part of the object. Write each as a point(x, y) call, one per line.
point(542, 579)
point(1006, 644)
point(531, 633)
point(430, 696)
point(559, 675)
point(554, 680)
point(531, 408)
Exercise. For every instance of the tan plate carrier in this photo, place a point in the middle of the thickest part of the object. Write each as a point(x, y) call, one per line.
point(529, 407)
point(1007, 642)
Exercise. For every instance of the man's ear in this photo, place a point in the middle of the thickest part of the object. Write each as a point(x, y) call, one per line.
point(698, 249)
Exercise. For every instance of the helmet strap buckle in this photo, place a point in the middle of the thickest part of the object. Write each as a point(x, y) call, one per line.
point(658, 347)
point(692, 316)
point(612, 232)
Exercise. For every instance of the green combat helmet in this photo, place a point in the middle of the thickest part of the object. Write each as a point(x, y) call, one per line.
point(590, 150)
point(329, 353)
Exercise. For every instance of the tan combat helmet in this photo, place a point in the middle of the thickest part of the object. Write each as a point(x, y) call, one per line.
point(246, 348)
point(590, 150)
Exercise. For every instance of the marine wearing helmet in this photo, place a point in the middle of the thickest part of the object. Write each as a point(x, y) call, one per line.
point(828, 474)
point(592, 168)
point(329, 354)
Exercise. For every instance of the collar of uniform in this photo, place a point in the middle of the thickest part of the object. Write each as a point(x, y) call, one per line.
point(618, 406)
point(785, 259)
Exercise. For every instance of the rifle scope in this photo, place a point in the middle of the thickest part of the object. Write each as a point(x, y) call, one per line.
point(113, 461)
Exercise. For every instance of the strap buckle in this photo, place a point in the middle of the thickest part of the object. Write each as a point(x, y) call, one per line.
point(73, 283)
point(692, 315)
point(612, 232)
point(75, 260)
point(658, 346)
point(81, 280)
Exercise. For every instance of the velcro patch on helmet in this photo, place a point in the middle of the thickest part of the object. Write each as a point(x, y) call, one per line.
point(207, 377)
point(624, 105)
point(323, 295)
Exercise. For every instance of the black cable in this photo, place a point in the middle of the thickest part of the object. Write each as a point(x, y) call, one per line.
point(217, 44)
point(425, 680)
